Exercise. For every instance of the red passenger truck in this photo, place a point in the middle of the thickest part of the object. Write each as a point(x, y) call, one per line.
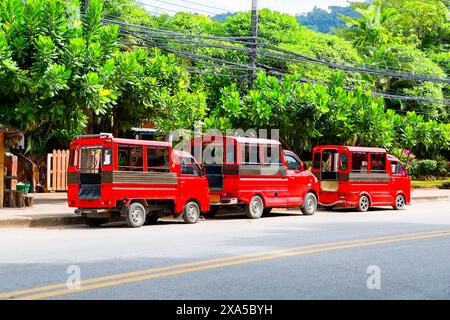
point(255, 174)
point(360, 177)
point(133, 179)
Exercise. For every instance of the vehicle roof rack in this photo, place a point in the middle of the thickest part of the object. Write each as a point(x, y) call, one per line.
point(98, 135)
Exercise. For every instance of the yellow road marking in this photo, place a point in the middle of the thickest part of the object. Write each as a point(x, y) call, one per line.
point(147, 274)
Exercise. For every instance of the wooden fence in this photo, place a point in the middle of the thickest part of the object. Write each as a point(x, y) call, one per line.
point(57, 170)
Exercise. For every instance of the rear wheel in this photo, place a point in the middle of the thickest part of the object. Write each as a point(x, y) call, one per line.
point(95, 222)
point(191, 212)
point(135, 215)
point(255, 208)
point(400, 202)
point(310, 205)
point(363, 204)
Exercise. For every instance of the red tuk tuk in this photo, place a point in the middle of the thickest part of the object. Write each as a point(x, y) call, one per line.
point(139, 180)
point(256, 174)
point(360, 177)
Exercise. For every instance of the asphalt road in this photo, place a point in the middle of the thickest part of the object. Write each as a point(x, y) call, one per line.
point(381, 254)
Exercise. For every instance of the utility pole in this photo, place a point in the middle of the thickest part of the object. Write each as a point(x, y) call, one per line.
point(252, 57)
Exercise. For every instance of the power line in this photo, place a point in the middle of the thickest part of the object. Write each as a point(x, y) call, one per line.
point(243, 67)
point(178, 5)
point(208, 6)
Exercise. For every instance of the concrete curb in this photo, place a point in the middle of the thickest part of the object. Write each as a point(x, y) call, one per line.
point(41, 222)
point(77, 220)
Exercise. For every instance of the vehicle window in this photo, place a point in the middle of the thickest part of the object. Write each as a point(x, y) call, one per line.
point(73, 157)
point(343, 161)
point(230, 152)
point(359, 162)
point(212, 153)
point(250, 154)
point(189, 166)
point(292, 163)
point(377, 162)
point(316, 161)
point(158, 159)
point(397, 168)
point(330, 161)
point(272, 155)
point(130, 158)
point(90, 159)
point(107, 154)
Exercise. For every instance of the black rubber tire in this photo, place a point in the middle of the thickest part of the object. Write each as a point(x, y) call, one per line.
point(152, 218)
point(135, 215)
point(191, 212)
point(211, 213)
point(363, 204)
point(400, 202)
point(266, 212)
point(255, 209)
point(95, 222)
point(309, 206)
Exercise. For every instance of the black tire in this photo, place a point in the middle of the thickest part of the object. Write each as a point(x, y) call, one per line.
point(309, 206)
point(255, 208)
point(95, 222)
point(191, 212)
point(135, 215)
point(211, 213)
point(363, 204)
point(400, 202)
point(266, 211)
point(152, 218)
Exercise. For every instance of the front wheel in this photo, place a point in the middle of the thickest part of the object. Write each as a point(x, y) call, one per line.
point(400, 202)
point(310, 205)
point(191, 212)
point(135, 215)
point(363, 204)
point(255, 208)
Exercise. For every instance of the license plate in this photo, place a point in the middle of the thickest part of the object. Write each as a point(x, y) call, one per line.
point(214, 198)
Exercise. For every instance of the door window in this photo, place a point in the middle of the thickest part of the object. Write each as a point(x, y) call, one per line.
point(292, 163)
point(189, 166)
point(398, 169)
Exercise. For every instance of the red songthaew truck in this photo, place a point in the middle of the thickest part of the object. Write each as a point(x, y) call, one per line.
point(133, 179)
point(360, 177)
point(256, 174)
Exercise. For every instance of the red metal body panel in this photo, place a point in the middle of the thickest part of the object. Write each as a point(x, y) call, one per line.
point(381, 185)
point(277, 185)
point(118, 186)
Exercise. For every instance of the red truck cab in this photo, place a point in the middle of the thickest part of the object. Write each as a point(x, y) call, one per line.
point(137, 180)
point(255, 174)
point(360, 177)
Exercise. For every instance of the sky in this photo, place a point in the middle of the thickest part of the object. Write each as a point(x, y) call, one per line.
point(211, 7)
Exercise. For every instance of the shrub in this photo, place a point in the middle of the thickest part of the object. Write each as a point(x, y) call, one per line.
point(424, 168)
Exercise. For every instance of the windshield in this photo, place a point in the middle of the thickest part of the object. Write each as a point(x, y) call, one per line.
point(90, 159)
